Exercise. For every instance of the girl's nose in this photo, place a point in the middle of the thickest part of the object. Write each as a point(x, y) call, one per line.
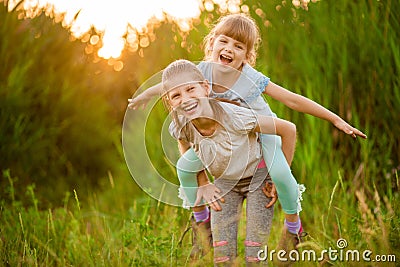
point(227, 48)
point(185, 97)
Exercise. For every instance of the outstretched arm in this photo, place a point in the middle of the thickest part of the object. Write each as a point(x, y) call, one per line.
point(141, 100)
point(305, 105)
point(285, 129)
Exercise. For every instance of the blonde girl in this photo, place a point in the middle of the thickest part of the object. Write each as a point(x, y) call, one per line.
point(225, 139)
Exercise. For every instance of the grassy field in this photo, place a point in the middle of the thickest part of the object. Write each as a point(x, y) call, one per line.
point(68, 199)
point(110, 230)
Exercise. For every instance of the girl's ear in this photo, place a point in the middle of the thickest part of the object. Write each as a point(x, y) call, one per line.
point(248, 57)
point(206, 86)
point(211, 43)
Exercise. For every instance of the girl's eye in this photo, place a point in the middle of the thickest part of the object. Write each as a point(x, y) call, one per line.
point(223, 41)
point(240, 47)
point(190, 89)
point(174, 96)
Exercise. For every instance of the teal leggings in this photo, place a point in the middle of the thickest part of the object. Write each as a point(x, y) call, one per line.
point(286, 185)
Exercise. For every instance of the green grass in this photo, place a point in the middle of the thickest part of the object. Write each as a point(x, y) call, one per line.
point(90, 234)
point(111, 230)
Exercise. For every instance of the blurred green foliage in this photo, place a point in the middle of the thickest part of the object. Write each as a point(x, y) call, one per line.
point(62, 109)
point(57, 125)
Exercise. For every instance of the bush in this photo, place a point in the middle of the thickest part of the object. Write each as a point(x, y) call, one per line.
point(57, 129)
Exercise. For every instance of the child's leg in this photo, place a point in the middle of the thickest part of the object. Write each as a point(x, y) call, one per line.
point(187, 167)
point(279, 170)
point(259, 219)
point(224, 224)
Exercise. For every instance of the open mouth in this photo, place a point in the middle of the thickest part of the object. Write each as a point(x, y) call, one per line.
point(225, 59)
point(190, 107)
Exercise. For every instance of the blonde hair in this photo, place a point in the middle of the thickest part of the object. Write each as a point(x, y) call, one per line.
point(175, 68)
point(179, 67)
point(239, 27)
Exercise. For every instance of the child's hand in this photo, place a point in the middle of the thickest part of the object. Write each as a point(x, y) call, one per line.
point(348, 129)
point(210, 194)
point(138, 102)
point(270, 191)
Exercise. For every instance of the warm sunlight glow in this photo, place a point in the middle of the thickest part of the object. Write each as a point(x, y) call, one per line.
point(111, 26)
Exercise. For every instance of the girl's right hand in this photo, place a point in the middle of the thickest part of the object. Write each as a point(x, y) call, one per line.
point(211, 194)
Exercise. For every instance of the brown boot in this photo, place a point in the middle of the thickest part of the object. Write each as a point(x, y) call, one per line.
point(201, 238)
point(288, 242)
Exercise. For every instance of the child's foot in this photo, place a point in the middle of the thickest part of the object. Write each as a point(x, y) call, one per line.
point(201, 238)
point(288, 242)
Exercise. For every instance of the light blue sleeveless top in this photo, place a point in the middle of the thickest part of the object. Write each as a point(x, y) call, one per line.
point(247, 89)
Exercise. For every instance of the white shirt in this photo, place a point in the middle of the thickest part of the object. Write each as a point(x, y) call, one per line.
point(233, 150)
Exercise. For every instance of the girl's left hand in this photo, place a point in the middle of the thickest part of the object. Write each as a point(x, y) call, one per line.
point(348, 129)
point(270, 191)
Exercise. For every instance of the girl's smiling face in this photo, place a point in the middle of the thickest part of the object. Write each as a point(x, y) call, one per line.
point(228, 51)
point(187, 97)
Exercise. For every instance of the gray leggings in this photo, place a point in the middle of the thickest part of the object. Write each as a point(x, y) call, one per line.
point(224, 223)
